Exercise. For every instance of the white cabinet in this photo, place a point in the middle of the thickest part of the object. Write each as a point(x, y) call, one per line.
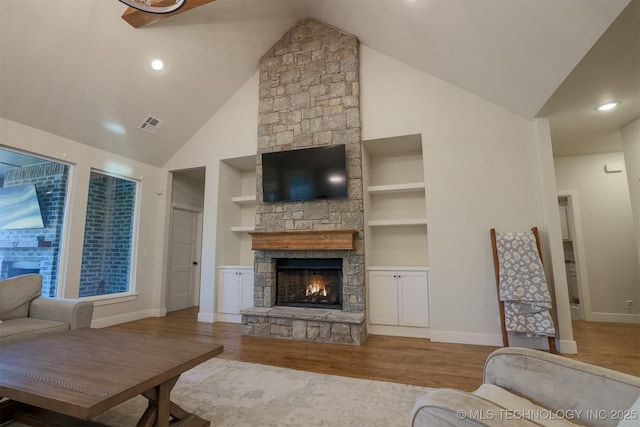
point(413, 299)
point(383, 298)
point(565, 223)
point(235, 291)
point(398, 298)
point(572, 282)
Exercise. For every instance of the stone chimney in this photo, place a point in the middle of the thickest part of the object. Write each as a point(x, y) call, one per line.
point(309, 97)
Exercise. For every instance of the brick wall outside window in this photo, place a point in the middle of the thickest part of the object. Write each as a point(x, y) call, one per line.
point(50, 180)
point(108, 236)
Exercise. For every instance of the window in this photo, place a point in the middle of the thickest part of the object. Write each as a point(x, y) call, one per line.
point(33, 198)
point(107, 255)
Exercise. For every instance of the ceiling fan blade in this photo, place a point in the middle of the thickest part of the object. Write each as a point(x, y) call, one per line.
point(147, 6)
point(138, 18)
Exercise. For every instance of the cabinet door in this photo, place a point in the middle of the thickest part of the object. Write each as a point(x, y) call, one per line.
point(247, 288)
point(229, 291)
point(564, 223)
point(413, 298)
point(383, 298)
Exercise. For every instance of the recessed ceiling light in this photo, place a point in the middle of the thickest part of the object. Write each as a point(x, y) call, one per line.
point(157, 64)
point(608, 106)
point(114, 127)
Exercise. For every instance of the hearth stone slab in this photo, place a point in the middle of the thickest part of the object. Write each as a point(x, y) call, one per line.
point(305, 324)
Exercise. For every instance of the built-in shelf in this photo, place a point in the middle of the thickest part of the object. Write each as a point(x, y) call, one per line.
point(243, 228)
point(236, 266)
point(396, 188)
point(236, 210)
point(244, 200)
point(396, 268)
point(395, 203)
point(397, 222)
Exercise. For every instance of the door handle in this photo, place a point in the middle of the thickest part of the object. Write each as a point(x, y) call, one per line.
point(195, 262)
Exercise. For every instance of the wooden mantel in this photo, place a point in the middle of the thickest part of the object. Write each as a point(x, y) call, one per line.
point(315, 240)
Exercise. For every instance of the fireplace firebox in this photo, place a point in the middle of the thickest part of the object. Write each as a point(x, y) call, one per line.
point(309, 283)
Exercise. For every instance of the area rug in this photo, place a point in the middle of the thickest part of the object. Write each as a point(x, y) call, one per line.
point(237, 394)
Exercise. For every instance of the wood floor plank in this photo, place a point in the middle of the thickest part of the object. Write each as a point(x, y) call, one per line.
point(612, 345)
point(404, 360)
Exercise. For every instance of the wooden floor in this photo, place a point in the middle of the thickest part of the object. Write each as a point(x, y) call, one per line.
point(612, 345)
point(404, 360)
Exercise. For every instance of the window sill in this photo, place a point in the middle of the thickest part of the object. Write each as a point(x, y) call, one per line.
point(99, 300)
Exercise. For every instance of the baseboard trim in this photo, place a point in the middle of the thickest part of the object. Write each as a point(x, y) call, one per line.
point(398, 331)
point(466, 338)
point(567, 347)
point(614, 317)
point(128, 317)
point(229, 318)
point(206, 317)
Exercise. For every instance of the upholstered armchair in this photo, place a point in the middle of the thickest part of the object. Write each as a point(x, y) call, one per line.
point(25, 314)
point(527, 387)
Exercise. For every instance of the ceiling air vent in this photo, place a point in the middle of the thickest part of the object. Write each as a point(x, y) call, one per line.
point(151, 124)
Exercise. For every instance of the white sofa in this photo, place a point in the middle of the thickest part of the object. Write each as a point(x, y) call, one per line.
point(524, 387)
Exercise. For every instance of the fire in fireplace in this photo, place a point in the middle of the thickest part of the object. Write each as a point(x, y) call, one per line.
point(313, 282)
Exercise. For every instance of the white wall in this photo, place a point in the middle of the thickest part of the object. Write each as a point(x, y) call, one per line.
point(551, 239)
point(608, 233)
point(83, 157)
point(631, 146)
point(230, 133)
point(480, 164)
point(481, 171)
point(187, 191)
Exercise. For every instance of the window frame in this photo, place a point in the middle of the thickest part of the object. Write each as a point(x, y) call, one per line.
point(131, 294)
point(67, 226)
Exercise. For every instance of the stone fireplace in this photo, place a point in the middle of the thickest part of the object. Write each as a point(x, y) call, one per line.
point(309, 97)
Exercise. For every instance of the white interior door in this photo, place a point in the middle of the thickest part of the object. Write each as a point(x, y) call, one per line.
point(184, 260)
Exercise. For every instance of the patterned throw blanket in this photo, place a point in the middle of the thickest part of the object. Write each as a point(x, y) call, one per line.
point(523, 286)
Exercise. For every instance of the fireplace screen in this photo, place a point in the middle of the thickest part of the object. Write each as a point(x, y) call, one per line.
point(309, 282)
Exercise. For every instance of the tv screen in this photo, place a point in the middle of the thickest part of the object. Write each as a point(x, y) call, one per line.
point(19, 208)
point(306, 174)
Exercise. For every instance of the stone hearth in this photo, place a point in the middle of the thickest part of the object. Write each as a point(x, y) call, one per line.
point(306, 324)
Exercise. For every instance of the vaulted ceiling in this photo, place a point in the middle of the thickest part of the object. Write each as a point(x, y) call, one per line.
point(77, 69)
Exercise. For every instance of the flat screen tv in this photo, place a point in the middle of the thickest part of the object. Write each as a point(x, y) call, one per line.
point(19, 208)
point(305, 174)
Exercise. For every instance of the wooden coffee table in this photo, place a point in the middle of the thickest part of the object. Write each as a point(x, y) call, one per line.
point(73, 376)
